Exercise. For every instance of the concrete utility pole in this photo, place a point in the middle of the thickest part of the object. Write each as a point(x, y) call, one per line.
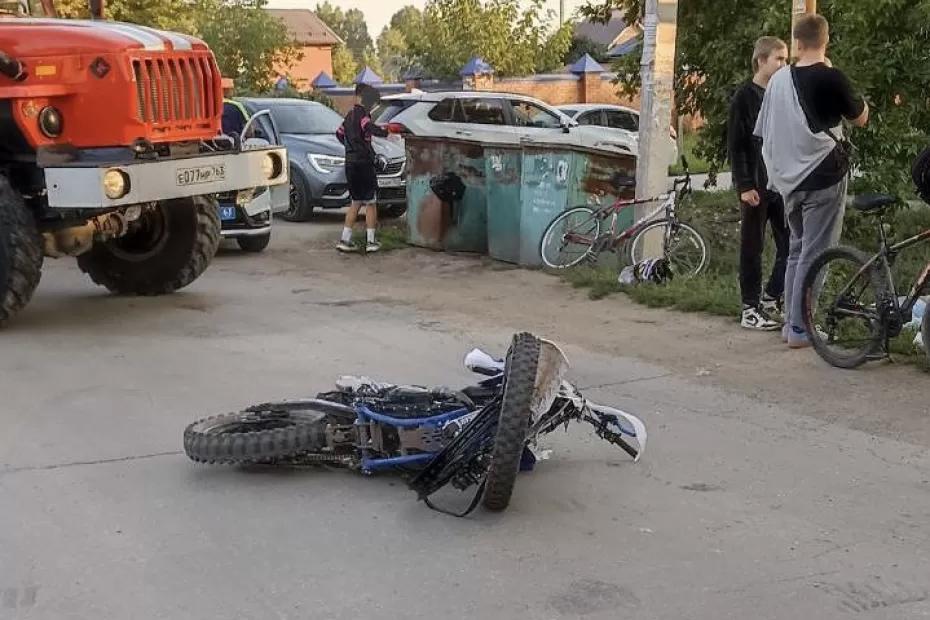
point(561, 12)
point(660, 25)
point(800, 7)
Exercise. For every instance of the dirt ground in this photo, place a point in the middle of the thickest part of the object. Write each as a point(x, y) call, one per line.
point(882, 398)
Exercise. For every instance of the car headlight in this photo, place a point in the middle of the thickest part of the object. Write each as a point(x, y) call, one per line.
point(326, 164)
point(115, 183)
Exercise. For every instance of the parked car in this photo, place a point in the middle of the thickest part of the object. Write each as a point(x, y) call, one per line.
point(614, 118)
point(317, 158)
point(491, 117)
point(246, 215)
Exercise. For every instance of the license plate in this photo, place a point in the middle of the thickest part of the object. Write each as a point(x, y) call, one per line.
point(227, 213)
point(201, 174)
point(391, 182)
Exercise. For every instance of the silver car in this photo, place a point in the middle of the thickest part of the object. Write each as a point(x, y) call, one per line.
point(614, 119)
point(491, 117)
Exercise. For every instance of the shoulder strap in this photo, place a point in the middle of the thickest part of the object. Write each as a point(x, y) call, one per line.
point(806, 108)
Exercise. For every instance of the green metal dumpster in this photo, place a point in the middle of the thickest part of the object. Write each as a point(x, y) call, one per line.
point(556, 177)
point(461, 226)
point(504, 181)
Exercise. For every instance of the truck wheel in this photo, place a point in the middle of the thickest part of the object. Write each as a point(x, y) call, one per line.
point(169, 248)
point(254, 243)
point(20, 253)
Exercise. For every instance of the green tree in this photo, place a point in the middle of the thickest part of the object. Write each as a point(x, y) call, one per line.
point(515, 37)
point(393, 42)
point(350, 26)
point(344, 66)
point(880, 45)
point(173, 15)
point(250, 44)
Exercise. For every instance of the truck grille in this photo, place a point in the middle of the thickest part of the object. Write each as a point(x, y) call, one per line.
point(173, 90)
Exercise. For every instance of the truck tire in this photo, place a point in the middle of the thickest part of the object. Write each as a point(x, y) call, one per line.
point(169, 250)
point(21, 253)
point(520, 383)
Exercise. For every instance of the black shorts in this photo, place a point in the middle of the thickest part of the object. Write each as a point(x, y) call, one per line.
point(362, 181)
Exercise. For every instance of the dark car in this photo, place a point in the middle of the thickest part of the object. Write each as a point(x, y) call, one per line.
point(317, 158)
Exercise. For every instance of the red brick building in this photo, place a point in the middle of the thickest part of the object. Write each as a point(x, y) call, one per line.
point(315, 40)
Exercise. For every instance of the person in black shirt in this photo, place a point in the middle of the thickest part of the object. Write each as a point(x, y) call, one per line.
point(361, 166)
point(758, 205)
point(816, 204)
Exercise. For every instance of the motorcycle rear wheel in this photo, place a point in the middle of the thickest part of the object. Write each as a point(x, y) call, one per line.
point(249, 437)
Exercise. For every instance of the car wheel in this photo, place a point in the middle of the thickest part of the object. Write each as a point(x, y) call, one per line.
point(299, 208)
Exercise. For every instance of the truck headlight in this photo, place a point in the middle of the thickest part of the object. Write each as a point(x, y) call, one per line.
point(326, 164)
point(115, 183)
point(50, 122)
point(272, 166)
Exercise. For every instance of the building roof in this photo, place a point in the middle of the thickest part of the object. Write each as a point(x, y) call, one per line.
point(306, 27)
point(627, 47)
point(323, 80)
point(367, 76)
point(586, 64)
point(603, 34)
point(476, 66)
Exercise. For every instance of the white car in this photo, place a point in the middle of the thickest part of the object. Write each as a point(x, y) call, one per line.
point(491, 117)
point(614, 119)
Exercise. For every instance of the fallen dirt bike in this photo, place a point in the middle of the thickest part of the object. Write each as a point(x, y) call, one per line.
point(479, 436)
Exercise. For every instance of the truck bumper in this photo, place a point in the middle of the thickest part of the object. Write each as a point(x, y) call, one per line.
point(81, 185)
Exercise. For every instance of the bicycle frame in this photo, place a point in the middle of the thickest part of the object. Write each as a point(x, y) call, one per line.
point(886, 257)
point(669, 203)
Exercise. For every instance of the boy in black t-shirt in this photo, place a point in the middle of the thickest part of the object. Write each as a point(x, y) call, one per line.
point(758, 205)
point(804, 164)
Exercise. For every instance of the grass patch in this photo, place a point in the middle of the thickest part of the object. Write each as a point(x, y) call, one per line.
point(716, 291)
point(390, 236)
point(697, 165)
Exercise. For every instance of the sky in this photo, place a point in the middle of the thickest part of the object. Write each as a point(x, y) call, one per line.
point(378, 12)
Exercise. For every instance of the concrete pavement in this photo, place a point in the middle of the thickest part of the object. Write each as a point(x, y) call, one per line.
point(740, 508)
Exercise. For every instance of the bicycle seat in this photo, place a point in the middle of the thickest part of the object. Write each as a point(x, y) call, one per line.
point(872, 203)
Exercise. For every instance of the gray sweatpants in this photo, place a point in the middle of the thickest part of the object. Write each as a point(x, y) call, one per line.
point(816, 223)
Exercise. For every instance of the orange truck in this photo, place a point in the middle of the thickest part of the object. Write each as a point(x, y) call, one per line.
point(111, 151)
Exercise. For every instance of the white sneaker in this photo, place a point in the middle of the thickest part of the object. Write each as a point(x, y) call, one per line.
point(347, 246)
point(756, 318)
point(373, 246)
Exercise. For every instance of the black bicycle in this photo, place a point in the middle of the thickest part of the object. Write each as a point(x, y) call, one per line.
point(851, 304)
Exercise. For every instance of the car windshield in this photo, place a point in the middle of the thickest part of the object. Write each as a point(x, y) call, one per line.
point(305, 119)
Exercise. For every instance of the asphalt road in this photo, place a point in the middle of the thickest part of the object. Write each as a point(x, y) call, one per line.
point(740, 509)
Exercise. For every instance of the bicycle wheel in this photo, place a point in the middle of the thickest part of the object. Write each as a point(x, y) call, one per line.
point(683, 246)
point(842, 301)
point(569, 238)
